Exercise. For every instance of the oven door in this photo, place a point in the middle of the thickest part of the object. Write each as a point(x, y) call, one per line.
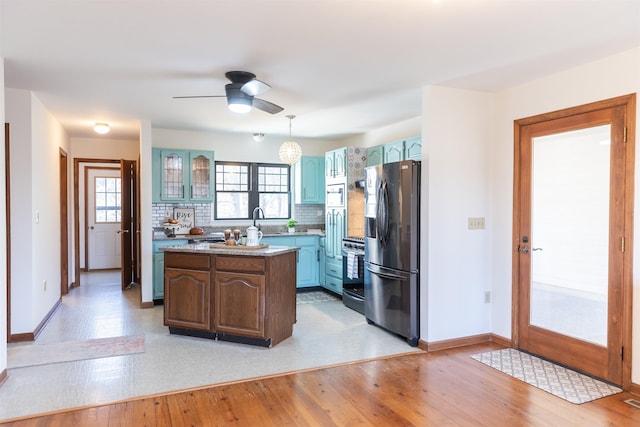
point(353, 287)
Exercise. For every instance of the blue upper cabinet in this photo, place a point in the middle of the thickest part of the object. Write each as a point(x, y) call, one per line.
point(393, 152)
point(201, 172)
point(336, 163)
point(405, 149)
point(374, 156)
point(413, 148)
point(309, 180)
point(182, 176)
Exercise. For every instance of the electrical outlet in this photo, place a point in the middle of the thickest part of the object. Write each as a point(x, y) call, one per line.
point(476, 223)
point(44, 285)
point(487, 297)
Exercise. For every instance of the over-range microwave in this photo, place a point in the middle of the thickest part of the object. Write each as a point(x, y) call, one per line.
point(335, 196)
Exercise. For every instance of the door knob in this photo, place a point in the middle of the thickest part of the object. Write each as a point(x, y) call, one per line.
point(523, 249)
point(122, 231)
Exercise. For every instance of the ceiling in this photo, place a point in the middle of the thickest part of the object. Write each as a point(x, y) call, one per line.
point(342, 67)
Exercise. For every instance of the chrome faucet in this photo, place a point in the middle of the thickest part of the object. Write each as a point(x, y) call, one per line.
point(256, 215)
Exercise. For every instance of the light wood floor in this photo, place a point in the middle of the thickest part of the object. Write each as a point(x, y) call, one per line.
point(445, 388)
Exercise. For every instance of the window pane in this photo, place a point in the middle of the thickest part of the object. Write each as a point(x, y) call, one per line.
point(107, 199)
point(275, 205)
point(232, 205)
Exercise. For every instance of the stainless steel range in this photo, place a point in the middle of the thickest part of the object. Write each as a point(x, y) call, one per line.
point(353, 273)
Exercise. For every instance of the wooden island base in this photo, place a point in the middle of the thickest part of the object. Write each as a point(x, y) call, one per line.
point(238, 297)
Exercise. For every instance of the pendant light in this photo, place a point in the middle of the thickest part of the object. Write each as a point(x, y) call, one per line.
point(290, 151)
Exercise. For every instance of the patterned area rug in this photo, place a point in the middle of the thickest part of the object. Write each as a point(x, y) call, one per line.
point(313, 297)
point(21, 356)
point(557, 380)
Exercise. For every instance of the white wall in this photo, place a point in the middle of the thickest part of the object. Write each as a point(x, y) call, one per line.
point(457, 131)
point(233, 146)
point(146, 230)
point(394, 132)
point(3, 231)
point(606, 78)
point(36, 139)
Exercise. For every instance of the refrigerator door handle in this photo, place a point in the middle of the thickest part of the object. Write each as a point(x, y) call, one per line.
point(389, 276)
point(382, 220)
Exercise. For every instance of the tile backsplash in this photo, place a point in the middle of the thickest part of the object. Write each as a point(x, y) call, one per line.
point(304, 214)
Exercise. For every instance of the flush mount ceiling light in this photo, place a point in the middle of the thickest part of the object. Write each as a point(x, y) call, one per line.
point(290, 151)
point(101, 128)
point(258, 137)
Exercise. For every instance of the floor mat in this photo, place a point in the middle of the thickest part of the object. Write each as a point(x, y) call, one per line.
point(313, 297)
point(21, 356)
point(557, 380)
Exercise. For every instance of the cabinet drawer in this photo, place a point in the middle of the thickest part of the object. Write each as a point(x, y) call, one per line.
point(187, 261)
point(240, 263)
point(334, 267)
point(333, 284)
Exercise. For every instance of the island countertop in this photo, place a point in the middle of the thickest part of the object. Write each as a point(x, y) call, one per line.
point(219, 249)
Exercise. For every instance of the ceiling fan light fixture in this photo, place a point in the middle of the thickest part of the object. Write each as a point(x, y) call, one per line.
point(239, 105)
point(290, 151)
point(101, 128)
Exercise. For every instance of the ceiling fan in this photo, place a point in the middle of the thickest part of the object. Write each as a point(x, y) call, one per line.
point(241, 92)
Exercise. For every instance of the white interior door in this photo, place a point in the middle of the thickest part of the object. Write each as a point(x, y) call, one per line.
point(103, 218)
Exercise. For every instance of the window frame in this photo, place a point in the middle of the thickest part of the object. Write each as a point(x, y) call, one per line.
point(253, 193)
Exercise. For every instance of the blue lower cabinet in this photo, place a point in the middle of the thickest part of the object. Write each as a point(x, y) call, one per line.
point(333, 274)
point(307, 270)
point(158, 265)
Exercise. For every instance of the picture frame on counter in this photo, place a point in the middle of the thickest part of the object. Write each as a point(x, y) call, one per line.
point(186, 219)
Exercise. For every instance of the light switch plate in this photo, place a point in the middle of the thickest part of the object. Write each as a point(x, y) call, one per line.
point(476, 223)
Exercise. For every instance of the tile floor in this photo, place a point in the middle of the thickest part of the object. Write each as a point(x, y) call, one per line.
point(326, 333)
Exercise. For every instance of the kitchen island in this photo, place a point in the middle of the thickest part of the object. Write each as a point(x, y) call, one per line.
point(235, 294)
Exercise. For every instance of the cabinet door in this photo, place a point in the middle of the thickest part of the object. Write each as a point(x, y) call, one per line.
point(173, 175)
point(307, 270)
point(340, 162)
point(413, 148)
point(321, 266)
point(329, 233)
point(374, 156)
point(393, 152)
point(339, 231)
point(309, 173)
point(201, 167)
point(158, 275)
point(187, 296)
point(234, 290)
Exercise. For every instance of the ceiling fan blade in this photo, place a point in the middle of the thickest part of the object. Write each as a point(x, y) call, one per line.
point(254, 87)
point(200, 96)
point(266, 106)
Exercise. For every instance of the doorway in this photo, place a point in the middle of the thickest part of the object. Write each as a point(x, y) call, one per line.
point(127, 222)
point(572, 237)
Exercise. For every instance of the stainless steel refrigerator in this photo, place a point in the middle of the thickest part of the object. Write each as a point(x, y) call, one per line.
point(392, 248)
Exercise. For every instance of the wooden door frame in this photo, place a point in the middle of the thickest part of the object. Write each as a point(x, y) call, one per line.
point(629, 102)
point(64, 223)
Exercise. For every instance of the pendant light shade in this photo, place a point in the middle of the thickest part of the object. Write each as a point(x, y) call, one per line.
point(290, 151)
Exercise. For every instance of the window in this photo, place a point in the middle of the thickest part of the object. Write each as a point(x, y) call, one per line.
point(107, 198)
point(242, 187)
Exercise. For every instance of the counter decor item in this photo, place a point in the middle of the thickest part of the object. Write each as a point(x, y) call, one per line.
point(253, 236)
point(186, 218)
point(291, 225)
